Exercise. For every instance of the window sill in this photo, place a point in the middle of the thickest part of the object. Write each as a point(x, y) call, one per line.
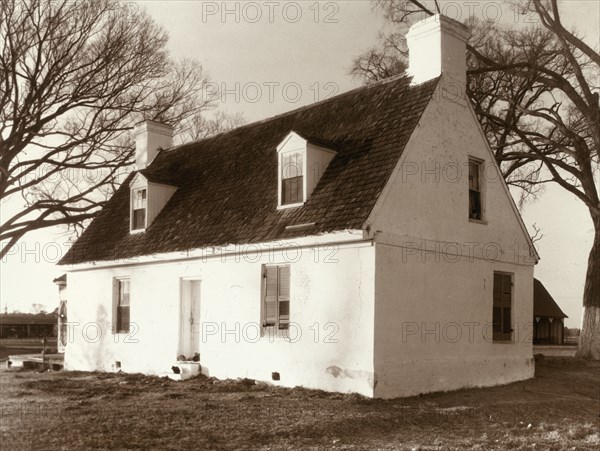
point(503, 342)
point(137, 231)
point(283, 207)
point(478, 221)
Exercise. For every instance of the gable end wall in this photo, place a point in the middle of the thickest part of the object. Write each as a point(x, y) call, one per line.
point(434, 267)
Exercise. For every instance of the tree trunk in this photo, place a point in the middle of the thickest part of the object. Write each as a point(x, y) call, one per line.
point(589, 341)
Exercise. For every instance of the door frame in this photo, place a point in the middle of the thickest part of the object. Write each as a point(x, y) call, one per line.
point(182, 283)
point(62, 335)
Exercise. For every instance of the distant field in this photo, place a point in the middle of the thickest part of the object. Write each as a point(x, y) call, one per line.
point(558, 409)
point(572, 340)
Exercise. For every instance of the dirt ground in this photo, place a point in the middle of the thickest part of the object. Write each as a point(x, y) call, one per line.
point(555, 350)
point(558, 409)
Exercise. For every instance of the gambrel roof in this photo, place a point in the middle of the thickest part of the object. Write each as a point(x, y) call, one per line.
point(227, 184)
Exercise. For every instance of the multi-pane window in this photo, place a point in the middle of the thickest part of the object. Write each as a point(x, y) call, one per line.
point(276, 303)
point(502, 309)
point(292, 180)
point(138, 209)
point(475, 207)
point(121, 307)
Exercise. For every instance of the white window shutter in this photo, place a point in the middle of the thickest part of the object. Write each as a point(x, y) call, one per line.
point(271, 288)
point(115, 304)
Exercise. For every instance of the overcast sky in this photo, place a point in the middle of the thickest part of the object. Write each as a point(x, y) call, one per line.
point(271, 57)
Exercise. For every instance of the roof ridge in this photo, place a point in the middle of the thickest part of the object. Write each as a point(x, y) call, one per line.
point(296, 110)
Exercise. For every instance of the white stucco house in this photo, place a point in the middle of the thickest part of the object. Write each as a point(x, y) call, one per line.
point(366, 243)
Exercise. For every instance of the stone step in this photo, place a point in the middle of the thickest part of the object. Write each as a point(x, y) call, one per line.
point(181, 371)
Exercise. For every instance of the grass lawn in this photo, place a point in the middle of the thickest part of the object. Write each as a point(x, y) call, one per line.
point(559, 409)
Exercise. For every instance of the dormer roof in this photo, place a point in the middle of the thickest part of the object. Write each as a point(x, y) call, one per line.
point(309, 139)
point(227, 184)
point(163, 179)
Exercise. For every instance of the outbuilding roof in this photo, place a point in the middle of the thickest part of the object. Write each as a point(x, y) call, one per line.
point(544, 304)
point(27, 318)
point(227, 184)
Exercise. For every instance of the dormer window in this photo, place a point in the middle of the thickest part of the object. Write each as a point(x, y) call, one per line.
point(148, 195)
point(301, 161)
point(138, 210)
point(292, 178)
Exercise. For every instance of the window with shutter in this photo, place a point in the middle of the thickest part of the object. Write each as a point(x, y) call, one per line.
point(284, 296)
point(502, 308)
point(276, 303)
point(270, 304)
point(121, 306)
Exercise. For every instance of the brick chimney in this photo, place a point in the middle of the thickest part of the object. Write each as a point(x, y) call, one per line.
point(438, 45)
point(150, 136)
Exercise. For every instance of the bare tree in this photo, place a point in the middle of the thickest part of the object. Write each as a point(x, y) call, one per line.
point(74, 79)
point(201, 126)
point(384, 60)
point(38, 308)
point(535, 90)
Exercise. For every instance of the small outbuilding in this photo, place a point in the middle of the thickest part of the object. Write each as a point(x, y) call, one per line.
point(26, 325)
point(548, 318)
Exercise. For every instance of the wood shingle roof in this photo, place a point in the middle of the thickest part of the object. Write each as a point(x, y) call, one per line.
point(227, 184)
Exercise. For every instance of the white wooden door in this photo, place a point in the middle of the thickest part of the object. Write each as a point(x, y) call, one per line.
point(190, 318)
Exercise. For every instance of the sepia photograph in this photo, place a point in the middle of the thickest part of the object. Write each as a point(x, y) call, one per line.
point(300, 224)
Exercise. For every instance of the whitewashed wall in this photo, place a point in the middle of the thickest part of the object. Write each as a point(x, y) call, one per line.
point(434, 267)
point(433, 324)
point(331, 304)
